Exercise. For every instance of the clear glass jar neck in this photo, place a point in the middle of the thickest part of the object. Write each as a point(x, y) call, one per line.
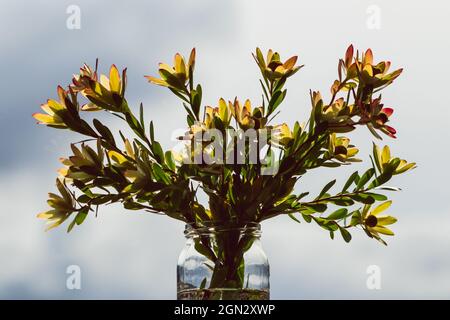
point(209, 228)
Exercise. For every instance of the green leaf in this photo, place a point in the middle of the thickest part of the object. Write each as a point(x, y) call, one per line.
point(291, 215)
point(356, 218)
point(307, 218)
point(363, 198)
point(345, 234)
point(196, 100)
point(160, 174)
point(104, 131)
point(71, 225)
point(82, 214)
point(102, 199)
point(83, 198)
point(365, 178)
point(63, 191)
point(328, 186)
point(275, 101)
point(350, 180)
point(317, 207)
point(152, 132)
point(383, 178)
point(343, 202)
point(158, 151)
point(377, 196)
point(169, 160)
point(190, 120)
point(141, 115)
point(338, 214)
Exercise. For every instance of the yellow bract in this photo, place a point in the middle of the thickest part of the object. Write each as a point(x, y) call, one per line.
point(272, 68)
point(375, 223)
point(62, 206)
point(223, 112)
point(383, 159)
point(103, 92)
point(341, 149)
point(52, 107)
point(281, 134)
point(246, 117)
point(177, 76)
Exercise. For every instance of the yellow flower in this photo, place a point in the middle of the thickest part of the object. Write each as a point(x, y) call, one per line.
point(340, 148)
point(375, 75)
point(62, 206)
point(106, 93)
point(247, 117)
point(272, 68)
point(83, 165)
point(54, 110)
point(282, 134)
point(375, 224)
point(223, 112)
point(384, 160)
point(175, 77)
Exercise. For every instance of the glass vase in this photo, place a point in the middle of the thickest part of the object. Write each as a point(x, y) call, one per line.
point(223, 262)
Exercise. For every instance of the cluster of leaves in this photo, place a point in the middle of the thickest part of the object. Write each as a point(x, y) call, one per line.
point(140, 175)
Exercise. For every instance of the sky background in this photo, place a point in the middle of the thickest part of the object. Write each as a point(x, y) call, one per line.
point(133, 255)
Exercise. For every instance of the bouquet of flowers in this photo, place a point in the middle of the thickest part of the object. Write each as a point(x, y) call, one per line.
point(246, 165)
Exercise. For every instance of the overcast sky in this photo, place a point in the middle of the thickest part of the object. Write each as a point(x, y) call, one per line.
point(133, 255)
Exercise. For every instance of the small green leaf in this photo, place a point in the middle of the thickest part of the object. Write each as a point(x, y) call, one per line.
point(338, 214)
point(377, 197)
point(383, 178)
point(365, 178)
point(350, 180)
point(291, 215)
point(141, 115)
point(316, 207)
point(363, 198)
point(326, 188)
point(152, 132)
point(169, 160)
point(158, 151)
point(275, 101)
point(82, 214)
point(345, 234)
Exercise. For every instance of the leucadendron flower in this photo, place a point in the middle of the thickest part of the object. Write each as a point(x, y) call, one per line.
point(376, 116)
point(281, 135)
point(375, 223)
point(61, 207)
point(84, 164)
point(175, 77)
point(246, 117)
point(337, 116)
point(223, 112)
point(339, 148)
point(273, 68)
point(54, 111)
point(104, 93)
point(385, 162)
point(366, 72)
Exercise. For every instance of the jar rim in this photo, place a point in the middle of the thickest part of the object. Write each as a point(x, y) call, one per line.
point(213, 227)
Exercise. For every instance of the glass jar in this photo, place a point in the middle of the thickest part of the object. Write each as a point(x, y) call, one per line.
point(223, 262)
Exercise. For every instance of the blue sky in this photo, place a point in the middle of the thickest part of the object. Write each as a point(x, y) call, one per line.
point(133, 255)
